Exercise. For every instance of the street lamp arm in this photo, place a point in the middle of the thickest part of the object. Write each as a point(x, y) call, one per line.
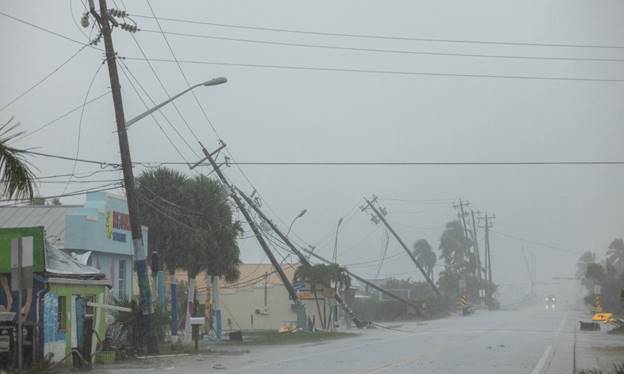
point(212, 82)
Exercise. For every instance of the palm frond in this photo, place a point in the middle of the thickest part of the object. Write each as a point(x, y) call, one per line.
point(15, 173)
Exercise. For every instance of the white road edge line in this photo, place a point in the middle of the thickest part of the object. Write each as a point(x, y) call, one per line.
point(541, 364)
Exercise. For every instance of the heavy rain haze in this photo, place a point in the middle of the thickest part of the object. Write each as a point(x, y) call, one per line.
point(372, 107)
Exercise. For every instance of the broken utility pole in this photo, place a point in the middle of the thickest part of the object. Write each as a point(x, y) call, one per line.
point(301, 321)
point(416, 307)
point(396, 236)
point(305, 261)
point(140, 257)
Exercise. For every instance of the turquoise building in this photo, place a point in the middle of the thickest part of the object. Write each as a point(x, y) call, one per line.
point(98, 234)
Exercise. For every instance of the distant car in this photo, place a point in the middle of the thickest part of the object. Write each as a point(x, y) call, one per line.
point(551, 302)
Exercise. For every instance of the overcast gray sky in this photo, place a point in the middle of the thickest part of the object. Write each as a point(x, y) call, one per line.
point(294, 115)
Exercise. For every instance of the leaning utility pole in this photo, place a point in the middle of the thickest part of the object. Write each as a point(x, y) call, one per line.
point(488, 255)
point(476, 244)
point(462, 214)
point(140, 257)
point(305, 261)
point(265, 247)
point(273, 227)
point(409, 253)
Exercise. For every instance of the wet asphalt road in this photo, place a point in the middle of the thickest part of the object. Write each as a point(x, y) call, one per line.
point(529, 340)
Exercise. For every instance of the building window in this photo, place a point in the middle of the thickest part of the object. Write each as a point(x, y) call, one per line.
point(122, 279)
point(62, 309)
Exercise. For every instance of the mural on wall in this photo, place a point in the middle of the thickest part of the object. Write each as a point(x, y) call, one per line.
point(53, 339)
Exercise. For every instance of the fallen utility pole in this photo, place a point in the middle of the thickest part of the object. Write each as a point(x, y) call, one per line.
point(305, 261)
point(410, 254)
point(140, 257)
point(298, 253)
point(417, 307)
point(265, 247)
point(279, 233)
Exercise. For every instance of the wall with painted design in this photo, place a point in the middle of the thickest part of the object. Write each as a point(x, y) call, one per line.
point(57, 326)
point(102, 227)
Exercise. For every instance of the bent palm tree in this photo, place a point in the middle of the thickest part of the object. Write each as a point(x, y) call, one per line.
point(15, 174)
point(425, 256)
point(615, 254)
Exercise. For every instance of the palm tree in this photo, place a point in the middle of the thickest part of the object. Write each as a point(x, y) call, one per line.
point(160, 193)
point(15, 174)
point(581, 266)
point(615, 254)
point(455, 247)
point(425, 256)
point(323, 276)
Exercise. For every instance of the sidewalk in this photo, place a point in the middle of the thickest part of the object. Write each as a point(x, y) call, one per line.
point(598, 349)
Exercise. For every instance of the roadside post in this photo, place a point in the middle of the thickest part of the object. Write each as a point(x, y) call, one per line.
point(195, 323)
point(21, 276)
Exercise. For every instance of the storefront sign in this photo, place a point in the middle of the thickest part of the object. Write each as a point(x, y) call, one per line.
point(117, 221)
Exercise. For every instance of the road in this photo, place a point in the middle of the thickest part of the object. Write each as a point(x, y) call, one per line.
point(528, 340)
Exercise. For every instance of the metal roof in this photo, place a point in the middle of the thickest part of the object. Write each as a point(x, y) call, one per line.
point(51, 217)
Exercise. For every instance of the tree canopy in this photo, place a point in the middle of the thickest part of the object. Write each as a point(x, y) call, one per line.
point(191, 223)
point(15, 174)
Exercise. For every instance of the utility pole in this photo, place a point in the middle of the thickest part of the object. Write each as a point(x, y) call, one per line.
point(476, 245)
point(140, 257)
point(381, 218)
point(265, 247)
point(462, 215)
point(335, 253)
point(311, 253)
point(488, 255)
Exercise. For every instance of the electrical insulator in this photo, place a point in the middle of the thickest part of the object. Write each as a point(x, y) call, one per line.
point(129, 28)
point(118, 13)
point(84, 20)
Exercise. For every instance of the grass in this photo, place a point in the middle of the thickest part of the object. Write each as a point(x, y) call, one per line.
point(271, 337)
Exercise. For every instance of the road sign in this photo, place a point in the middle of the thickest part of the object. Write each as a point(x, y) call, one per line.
point(298, 285)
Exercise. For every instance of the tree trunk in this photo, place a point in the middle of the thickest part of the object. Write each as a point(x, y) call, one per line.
point(318, 306)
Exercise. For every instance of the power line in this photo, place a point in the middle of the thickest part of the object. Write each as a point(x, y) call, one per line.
point(162, 85)
point(49, 123)
point(45, 77)
point(105, 187)
point(126, 71)
point(181, 71)
point(79, 135)
point(323, 163)
point(85, 175)
point(423, 201)
point(384, 72)
point(77, 181)
point(46, 30)
point(384, 37)
point(388, 51)
point(66, 158)
point(545, 245)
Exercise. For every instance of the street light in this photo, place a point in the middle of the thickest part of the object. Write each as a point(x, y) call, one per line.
point(296, 218)
point(212, 82)
point(335, 254)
